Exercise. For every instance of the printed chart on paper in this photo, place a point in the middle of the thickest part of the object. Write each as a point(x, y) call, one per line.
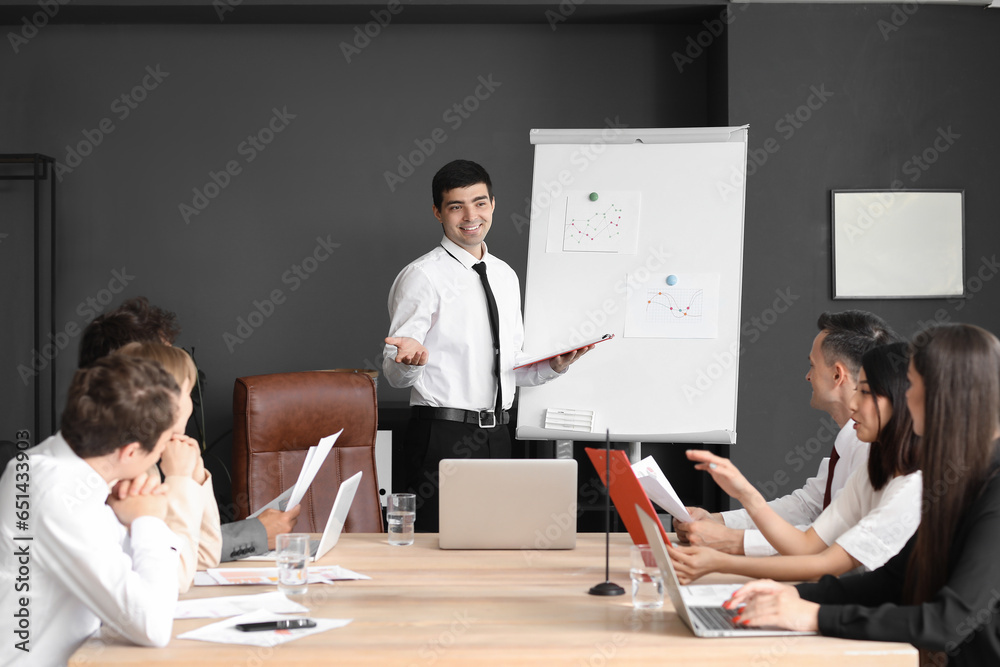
point(607, 224)
point(687, 309)
point(675, 306)
point(593, 228)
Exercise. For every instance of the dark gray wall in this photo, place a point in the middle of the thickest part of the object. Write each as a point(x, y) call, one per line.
point(321, 177)
point(892, 91)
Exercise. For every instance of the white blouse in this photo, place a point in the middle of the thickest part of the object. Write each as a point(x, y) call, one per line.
point(872, 526)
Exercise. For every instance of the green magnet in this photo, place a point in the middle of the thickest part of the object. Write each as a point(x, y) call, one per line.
point(593, 196)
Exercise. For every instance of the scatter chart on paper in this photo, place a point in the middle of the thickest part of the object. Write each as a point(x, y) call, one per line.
point(675, 306)
point(594, 228)
point(604, 221)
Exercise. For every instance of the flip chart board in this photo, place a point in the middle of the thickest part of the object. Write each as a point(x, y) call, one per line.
point(637, 233)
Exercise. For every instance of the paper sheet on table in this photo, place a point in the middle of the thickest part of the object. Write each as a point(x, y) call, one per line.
point(203, 578)
point(708, 595)
point(658, 488)
point(243, 576)
point(311, 467)
point(225, 632)
point(234, 605)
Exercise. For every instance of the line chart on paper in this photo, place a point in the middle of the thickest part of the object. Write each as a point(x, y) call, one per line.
point(674, 305)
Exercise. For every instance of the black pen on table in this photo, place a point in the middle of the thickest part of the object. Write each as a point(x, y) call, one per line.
point(286, 624)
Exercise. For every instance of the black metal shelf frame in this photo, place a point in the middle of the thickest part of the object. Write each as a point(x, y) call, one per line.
point(39, 168)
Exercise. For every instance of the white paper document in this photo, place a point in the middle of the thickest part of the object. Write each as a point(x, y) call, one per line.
point(225, 632)
point(280, 503)
point(658, 488)
point(203, 578)
point(685, 305)
point(293, 495)
point(234, 605)
point(605, 221)
point(244, 576)
point(314, 461)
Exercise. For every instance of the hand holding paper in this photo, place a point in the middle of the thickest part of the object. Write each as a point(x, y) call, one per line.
point(522, 363)
point(293, 495)
point(658, 488)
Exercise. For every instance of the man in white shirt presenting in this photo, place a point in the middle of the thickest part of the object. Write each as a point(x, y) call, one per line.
point(82, 537)
point(455, 328)
point(834, 364)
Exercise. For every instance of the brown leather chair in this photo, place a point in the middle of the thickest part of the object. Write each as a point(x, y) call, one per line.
point(276, 418)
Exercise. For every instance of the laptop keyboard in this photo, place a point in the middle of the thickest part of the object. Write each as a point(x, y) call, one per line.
point(715, 618)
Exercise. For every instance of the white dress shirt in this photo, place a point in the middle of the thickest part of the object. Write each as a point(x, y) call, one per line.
point(438, 300)
point(872, 525)
point(801, 507)
point(82, 567)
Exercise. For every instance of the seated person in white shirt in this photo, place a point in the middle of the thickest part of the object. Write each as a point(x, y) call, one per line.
point(834, 363)
point(100, 552)
point(866, 525)
point(441, 345)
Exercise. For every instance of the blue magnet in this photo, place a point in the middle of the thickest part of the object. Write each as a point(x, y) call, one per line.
point(671, 279)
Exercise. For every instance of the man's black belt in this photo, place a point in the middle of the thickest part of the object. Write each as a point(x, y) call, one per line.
point(482, 418)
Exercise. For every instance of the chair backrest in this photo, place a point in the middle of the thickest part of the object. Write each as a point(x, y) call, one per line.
point(276, 418)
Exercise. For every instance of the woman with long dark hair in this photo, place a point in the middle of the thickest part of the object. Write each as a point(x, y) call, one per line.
point(941, 592)
point(866, 525)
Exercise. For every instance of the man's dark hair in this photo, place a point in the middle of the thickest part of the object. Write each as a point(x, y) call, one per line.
point(458, 174)
point(136, 320)
point(156, 321)
point(116, 401)
point(852, 333)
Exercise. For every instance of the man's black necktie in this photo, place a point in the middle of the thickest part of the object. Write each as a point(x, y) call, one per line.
point(491, 306)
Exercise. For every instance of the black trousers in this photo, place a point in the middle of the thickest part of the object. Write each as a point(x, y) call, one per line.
point(428, 441)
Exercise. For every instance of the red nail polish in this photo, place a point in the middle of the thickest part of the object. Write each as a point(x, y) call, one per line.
point(736, 619)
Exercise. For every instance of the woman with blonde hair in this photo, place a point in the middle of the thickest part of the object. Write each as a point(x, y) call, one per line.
point(192, 512)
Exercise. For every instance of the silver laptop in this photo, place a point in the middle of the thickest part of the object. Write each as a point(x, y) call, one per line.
point(700, 607)
point(334, 525)
point(507, 503)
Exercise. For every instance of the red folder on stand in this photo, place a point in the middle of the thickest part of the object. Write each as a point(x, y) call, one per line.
point(626, 492)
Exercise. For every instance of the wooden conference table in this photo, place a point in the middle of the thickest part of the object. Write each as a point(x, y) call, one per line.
point(424, 607)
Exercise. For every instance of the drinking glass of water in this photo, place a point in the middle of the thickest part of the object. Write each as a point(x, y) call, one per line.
point(647, 580)
point(293, 555)
point(401, 512)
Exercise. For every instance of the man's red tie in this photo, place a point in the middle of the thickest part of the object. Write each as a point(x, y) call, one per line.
point(834, 457)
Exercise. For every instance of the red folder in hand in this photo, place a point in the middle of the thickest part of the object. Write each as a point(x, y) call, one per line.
point(626, 492)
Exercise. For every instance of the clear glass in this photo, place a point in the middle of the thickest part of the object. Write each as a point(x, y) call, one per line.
point(647, 580)
point(400, 514)
point(293, 562)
